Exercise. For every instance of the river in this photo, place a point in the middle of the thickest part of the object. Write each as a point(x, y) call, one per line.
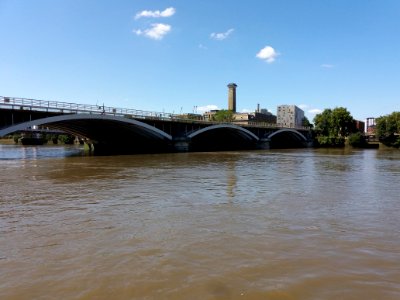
point(276, 224)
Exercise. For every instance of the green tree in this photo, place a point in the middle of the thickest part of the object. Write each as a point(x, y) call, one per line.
point(306, 123)
point(323, 122)
point(16, 137)
point(66, 138)
point(336, 122)
point(224, 115)
point(357, 140)
point(343, 122)
point(388, 129)
point(333, 125)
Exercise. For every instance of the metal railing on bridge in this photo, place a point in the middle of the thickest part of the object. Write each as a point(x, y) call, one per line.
point(75, 108)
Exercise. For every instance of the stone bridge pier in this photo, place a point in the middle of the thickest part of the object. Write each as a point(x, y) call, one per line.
point(181, 144)
point(264, 144)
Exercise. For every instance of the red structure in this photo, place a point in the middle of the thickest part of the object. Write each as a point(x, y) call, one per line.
point(371, 125)
point(360, 126)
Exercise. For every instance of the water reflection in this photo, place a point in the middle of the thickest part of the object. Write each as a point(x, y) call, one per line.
point(10, 152)
point(232, 179)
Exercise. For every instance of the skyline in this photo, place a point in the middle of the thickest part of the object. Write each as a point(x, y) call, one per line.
point(174, 56)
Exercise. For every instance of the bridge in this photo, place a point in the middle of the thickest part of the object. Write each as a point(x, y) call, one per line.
point(119, 130)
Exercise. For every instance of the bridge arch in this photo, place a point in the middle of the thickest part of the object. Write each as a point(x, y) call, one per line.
point(222, 137)
point(106, 131)
point(287, 138)
point(61, 122)
point(240, 130)
point(288, 130)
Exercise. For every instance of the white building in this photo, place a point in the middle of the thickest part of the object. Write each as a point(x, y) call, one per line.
point(289, 116)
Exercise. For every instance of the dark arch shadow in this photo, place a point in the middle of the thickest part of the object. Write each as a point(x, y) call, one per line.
point(287, 138)
point(109, 134)
point(222, 137)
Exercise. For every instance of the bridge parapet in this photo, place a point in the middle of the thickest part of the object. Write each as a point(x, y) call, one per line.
point(58, 107)
point(75, 108)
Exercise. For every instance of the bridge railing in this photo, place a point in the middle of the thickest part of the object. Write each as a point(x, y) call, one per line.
point(66, 107)
point(74, 108)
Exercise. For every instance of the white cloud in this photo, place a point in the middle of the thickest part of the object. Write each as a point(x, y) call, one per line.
point(315, 111)
point(247, 111)
point(267, 54)
point(221, 36)
point(303, 106)
point(209, 107)
point(327, 66)
point(312, 111)
point(168, 12)
point(155, 32)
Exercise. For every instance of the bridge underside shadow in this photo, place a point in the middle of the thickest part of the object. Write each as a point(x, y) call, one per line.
point(110, 137)
point(105, 134)
point(287, 139)
point(222, 139)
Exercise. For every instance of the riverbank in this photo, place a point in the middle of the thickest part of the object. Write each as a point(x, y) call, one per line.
point(7, 141)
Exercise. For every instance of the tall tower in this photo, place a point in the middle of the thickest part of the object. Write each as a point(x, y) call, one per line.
point(232, 97)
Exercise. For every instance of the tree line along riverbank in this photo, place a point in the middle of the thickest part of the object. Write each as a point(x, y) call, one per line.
point(337, 128)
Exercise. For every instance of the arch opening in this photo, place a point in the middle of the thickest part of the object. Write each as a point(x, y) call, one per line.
point(222, 138)
point(286, 139)
point(108, 134)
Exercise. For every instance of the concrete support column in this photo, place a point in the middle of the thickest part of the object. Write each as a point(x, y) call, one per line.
point(263, 144)
point(181, 144)
point(309, 144)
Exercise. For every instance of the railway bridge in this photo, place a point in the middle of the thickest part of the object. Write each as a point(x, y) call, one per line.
point(123, 131)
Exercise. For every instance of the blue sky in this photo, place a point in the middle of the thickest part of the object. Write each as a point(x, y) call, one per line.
point(178, 56)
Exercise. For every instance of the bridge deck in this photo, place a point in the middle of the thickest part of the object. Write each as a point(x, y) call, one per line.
point(51, 106)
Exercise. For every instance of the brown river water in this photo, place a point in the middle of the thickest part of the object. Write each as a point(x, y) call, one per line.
point(276, 224)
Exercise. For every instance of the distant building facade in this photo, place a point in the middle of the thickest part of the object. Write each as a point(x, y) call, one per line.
point(264, 116)
point(359, 125)
point(209, 115)
point(289, 116)
point(259, 116)
point(190, 116)
point(371, 125)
